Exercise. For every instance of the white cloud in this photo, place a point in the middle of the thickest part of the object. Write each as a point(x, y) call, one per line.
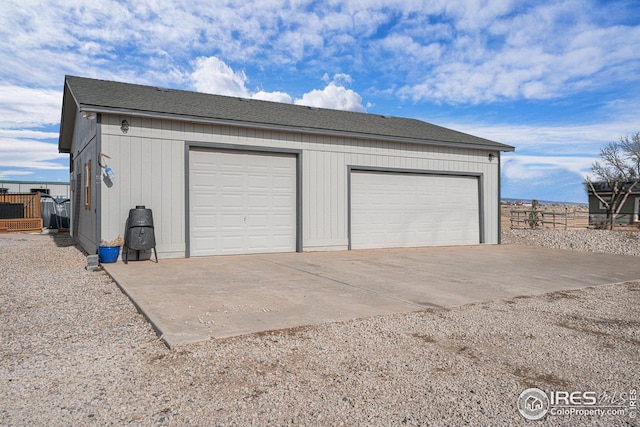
point(30, 154)
point(340, 79)
point(27, 133)
point(556, 178)
point(334, 97)
point(13, 174)
point(567, 139)
point(476, 15)
point(211, 75)
point(282, 97)
point(463, 51)
point(28, 107)
point(516, 51)
point(518, 167)
point(562, 139)
point(296, 45)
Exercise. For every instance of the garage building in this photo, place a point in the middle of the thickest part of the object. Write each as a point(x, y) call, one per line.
point(227, 175)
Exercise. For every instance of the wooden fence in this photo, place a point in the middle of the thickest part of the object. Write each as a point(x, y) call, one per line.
point(530, 218)
point(32, 219)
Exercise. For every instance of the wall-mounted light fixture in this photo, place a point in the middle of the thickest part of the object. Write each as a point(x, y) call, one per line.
point(491, 157)
point(124, 127)
point(89, 115)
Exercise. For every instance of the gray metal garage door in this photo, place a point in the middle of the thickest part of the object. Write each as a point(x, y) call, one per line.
point(408, 210)
point(241, 202)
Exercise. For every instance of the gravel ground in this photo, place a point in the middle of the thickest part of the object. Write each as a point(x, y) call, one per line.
point(74, 351)
point(602, 241)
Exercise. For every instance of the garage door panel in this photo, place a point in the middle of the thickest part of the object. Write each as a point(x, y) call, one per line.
point(281, 240)
point(229, 201)
point(205, 200)
point(259, 243)
point(231, 244)
point(229, 177)
point(226, 221)
point(229, 163)
point(258, 182)
point(259, 222)
point(258, 202)
point(405, 210)
point(282, 220)
point(205, 242)
point(280, 183)
point(282, 201)
point(238, 200)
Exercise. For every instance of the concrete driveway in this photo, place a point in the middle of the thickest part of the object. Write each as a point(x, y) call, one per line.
point(189, 300)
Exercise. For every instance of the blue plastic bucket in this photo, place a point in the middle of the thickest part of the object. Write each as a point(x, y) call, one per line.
point(108, 254)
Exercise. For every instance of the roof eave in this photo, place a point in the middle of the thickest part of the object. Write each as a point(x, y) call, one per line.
point(67, 119)
point(306, 130)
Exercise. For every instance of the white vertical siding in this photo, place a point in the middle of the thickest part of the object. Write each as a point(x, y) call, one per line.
point(149, 171)
point(149, 165)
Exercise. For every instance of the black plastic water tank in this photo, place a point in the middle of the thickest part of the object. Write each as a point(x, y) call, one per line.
point(140, 234)
point(140, 217)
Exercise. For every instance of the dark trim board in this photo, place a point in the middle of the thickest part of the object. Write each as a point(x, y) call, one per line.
point(97, 178)
point(479, 176)
point(246, 149)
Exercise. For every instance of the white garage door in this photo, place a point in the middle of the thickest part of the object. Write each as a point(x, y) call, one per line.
point(241, 202)
point(406, 210)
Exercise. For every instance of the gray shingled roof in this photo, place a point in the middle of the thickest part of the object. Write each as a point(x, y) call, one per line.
point(103, 96)
point(604, 187)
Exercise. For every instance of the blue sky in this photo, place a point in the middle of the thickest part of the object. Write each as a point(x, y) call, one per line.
point(556, 79)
